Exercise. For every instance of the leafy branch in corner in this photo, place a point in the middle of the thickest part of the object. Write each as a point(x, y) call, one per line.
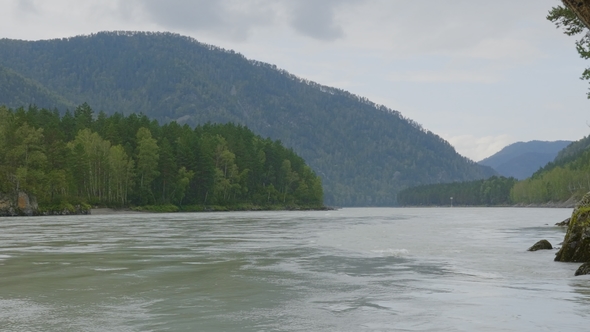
point(564, 18)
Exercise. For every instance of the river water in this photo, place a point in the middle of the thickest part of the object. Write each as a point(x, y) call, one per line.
point(433, 269)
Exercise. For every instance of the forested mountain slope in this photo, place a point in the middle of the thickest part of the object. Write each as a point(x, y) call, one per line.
point(521, 159)
point(493, 191)
point(363, 152)
point(573, 150)
point(17, 91)
point(568, 176)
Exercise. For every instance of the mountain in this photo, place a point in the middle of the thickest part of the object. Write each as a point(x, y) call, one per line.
point(365, 153)
point(564, 180)
point(17, 91)
point(573, 151)
point(521, 159)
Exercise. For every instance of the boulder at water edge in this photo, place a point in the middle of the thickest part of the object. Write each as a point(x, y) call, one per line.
point(583, 269)
point(564, 223)
point(576, 244)
point(541, 245)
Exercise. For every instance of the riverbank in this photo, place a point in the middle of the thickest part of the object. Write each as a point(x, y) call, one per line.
point(214, 208)
point(107, 211)
point(569, 204)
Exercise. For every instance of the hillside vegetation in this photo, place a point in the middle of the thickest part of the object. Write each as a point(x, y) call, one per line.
point(521, 159)
point(566, 177)
point(122, 161)
point(17, 91)
point(490, 192)
point(364, 153)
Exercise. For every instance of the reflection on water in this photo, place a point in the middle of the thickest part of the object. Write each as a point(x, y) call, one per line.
point(346, 270)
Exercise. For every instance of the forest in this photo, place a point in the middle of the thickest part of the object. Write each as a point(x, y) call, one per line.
point(364, 152)
point(494, 191)
point(82, 157)
point(566, 177)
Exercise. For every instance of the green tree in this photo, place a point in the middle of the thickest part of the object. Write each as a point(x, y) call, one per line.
point(563, 17)
point(26, 159)
point(121, 174)
point(83, 117)
point(226, 164)
point(168, 170)
point(5, 121)
point(90, 154)
point(182, 181)
point(227, 175)
point(147, 162)
point(288, 177)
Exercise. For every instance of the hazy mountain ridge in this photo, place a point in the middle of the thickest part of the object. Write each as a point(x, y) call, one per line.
point(521, 159)
point(365, 153)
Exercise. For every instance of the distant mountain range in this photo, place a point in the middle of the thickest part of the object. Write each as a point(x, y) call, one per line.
point(364, 153)
point(520, 160)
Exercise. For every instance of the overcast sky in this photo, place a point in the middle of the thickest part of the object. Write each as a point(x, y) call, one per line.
point(481, 74)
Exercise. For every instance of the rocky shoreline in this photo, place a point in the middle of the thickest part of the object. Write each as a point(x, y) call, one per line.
point(21, 204)
point(575, 247)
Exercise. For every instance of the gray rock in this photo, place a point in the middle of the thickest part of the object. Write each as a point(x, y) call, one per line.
point(564, 223)
point(576, 244)
point(583, 269)
point(541, 245)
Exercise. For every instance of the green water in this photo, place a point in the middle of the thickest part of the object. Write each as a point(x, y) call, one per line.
point(346, 270)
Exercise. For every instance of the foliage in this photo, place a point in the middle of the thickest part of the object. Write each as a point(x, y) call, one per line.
point(365, 153)
point(493, 191)
point(568, 176)
point(521, 159)
point(571, 152)
point(564, 18)
point(131, 161)
point(557, 184)
point(18, 90)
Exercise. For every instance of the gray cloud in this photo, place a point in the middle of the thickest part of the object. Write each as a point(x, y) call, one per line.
point(234, 19)
point(191, 14)
point(27, 6)
point(229, 18)
point(316, 19)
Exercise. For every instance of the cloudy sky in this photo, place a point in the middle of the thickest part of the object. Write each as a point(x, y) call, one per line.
point(481, 74)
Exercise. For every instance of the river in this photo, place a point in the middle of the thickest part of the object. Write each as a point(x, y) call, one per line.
point(365, 269)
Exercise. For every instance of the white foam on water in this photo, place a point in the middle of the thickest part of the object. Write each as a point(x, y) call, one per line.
point(391, 252)
point(110, 269)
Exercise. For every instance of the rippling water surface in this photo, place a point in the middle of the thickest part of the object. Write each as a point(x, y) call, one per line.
point(348, 270)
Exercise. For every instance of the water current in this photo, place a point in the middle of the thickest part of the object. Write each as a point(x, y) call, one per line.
point(433, 269)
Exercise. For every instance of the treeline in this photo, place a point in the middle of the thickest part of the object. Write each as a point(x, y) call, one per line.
point(556, 183)
point(490, 192)
point(122, 161)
